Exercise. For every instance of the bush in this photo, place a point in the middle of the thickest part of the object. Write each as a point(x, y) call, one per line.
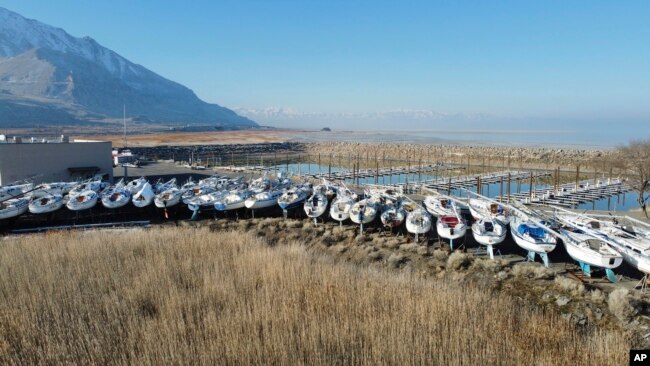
point(458, 260)
point(619, 304)
point(533, 271)
point(569, 285)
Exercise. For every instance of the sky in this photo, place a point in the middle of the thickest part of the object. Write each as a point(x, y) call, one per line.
point(571, 62)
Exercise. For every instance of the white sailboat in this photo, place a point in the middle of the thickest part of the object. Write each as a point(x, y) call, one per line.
point(590, 251)
point(82, 201)
point(489, 231)
point(482, 208)
point(13, 207)
point(115, 196)
point(340, 207)
point(14, 191)
point(294, 197)
point(631, 240)
point(144, 197)
point(136, 185)
point(46, 203)
point(393, 213)
point(533, 237)
point(365, 211)
point(233, 201)
point(418, 222)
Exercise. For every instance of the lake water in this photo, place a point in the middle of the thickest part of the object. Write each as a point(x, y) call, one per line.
point(595, 136)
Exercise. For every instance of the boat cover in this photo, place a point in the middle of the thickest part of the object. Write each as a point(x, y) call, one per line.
point(449, 220)
point(532, 230)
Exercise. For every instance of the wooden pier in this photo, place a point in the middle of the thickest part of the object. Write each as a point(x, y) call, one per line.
point(570, 194)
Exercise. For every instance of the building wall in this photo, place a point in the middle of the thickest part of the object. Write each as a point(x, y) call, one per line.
point(50, 162)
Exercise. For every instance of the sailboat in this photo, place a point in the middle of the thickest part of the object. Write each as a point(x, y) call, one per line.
point(533, 237)
point(590, 251)
point(393, 212)
point(631, 240)
point(116, 196)
point(15, 190)
point(451, 225)
point(365, 211)
point(46, 203)
point(316, 205)
point(13, 207)
point(267, 198)
point(418, 222)
point(340, 207)
point(439, 205)
point(489, 231)
point(482, 208)
point(294, 197)
point(144, 197)
point(82, 201)
point(168, 195)
point(136, 185)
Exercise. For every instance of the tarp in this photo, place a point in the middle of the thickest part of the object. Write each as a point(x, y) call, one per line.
point(532, 230)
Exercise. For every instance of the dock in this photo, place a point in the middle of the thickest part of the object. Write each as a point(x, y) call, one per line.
point(571, 195)
point(448, 184)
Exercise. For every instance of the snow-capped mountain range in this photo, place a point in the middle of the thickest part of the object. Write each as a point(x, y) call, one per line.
point(49, 76)
point(397, 118)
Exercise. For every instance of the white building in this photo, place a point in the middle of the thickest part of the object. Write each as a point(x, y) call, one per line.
point(43, 161)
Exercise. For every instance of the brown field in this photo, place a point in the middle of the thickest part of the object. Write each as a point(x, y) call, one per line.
point(197, 138)
point(192, 296)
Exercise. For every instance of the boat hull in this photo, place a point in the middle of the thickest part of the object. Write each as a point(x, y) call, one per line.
point(451, 233)
point(531, 245)
point(488, 238)
point(591, 257)
point(14, 208)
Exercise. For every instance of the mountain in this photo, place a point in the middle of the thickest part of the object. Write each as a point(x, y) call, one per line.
point(392, 119)
point(48, 76)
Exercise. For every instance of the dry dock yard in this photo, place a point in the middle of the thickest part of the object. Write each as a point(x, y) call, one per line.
point(549, 311)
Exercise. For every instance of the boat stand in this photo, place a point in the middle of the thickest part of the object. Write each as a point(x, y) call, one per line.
point(543, 256)
point(586, 269)
point(611, 276)
point(643, 283)
point(284, 214)
point(490, 251)
point(195, 215)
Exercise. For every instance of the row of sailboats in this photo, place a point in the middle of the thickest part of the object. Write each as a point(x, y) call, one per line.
point(599, 242)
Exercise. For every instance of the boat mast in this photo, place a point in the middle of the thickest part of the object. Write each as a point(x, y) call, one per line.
point(124, 121)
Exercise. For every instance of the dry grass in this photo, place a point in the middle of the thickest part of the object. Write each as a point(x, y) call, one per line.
point(190, 296)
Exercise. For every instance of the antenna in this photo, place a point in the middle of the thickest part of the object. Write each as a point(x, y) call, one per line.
point(124, 120)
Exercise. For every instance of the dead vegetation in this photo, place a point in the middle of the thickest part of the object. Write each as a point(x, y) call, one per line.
point(195, 296)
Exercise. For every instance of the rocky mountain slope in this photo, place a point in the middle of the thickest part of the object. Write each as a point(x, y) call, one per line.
point(50, 77)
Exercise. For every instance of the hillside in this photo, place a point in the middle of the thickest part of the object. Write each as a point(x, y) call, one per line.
point(50, 77)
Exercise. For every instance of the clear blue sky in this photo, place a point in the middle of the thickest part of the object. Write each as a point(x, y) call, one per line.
point(539, 59)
